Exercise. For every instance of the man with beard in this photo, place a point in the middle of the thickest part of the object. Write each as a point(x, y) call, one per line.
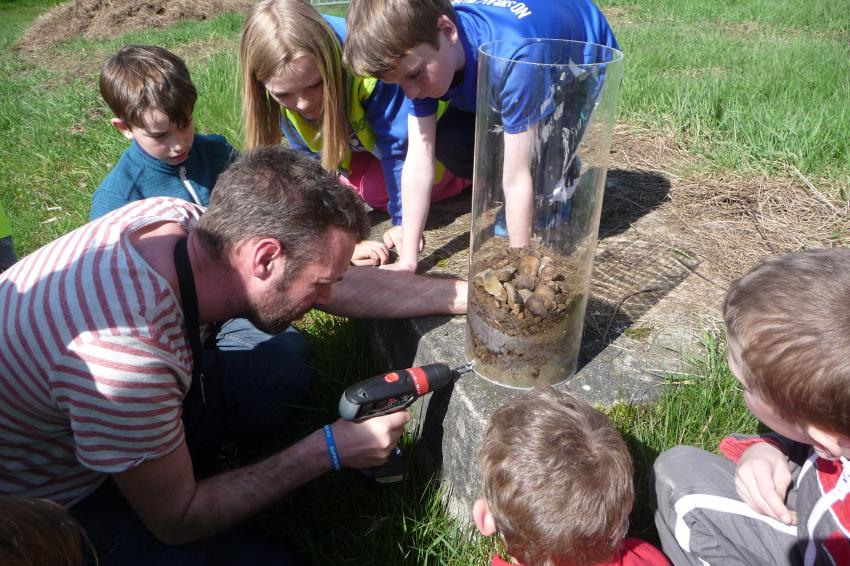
point(107, 394)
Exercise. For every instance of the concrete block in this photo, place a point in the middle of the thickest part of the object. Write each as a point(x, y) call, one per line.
point(649, 301)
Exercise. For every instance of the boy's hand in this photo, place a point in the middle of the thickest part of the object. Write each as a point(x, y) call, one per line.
point(762, 481)
point(369, 252)
point(392, 239)
point(369, 443)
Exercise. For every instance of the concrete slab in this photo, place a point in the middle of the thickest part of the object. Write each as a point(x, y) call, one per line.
point(641, 323)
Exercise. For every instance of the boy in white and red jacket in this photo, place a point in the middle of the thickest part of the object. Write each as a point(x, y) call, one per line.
point(778, 498)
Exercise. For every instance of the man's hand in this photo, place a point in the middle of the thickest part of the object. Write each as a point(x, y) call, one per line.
point(762, 479)
point(369, 252)
point(369, 443)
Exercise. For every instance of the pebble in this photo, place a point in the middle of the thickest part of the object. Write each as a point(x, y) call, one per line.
point(526, 281)
point(528, 265)
point(493, 286)
point(536, 305)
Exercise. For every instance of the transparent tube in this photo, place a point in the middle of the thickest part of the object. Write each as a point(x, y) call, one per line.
point(544, 122)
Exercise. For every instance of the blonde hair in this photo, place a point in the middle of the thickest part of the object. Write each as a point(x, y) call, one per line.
point(557, 477)
point(276, 33)
point(382, 32)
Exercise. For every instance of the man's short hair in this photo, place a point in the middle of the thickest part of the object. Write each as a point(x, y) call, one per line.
point(558, 479)
point(139, 78)
point(788, 324)
point(277, 192)
point(379, 33)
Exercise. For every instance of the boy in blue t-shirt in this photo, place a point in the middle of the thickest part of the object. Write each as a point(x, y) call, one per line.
point(430, 48)
point(152, 96)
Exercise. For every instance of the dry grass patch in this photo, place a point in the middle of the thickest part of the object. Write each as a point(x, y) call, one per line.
point(104, 19)
point(732, 220)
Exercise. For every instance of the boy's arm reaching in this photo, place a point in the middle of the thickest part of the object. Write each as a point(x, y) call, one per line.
point(517, 184)
point(416, 180)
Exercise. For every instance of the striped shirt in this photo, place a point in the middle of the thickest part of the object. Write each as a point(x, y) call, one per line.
point(94, 363)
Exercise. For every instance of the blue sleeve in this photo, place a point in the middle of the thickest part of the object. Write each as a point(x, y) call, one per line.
point(118, 188)
point(225, 154)
point(422, 107)
point(526, 94)
point(293, 138)
point(386, 111)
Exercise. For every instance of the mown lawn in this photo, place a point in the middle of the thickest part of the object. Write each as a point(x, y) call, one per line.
point(749, 85)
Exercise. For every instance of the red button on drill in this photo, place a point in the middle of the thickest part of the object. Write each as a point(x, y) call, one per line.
point(391, 377)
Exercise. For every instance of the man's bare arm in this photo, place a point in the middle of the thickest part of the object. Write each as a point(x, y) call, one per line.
point(368, 292)
point(179, 510)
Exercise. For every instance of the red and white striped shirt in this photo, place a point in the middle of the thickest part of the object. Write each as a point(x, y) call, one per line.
point(94, 363)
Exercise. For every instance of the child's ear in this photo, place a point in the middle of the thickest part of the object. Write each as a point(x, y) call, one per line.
point(447, 27)
point(122, 127)
point(483, 518)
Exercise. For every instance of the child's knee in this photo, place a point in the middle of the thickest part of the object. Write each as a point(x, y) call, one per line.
point(670, 471)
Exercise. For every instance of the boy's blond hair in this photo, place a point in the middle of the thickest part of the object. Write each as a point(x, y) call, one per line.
point(558, 479)
point(381, 32)
point(276, 33)
point(788, 322)
point(139, 78)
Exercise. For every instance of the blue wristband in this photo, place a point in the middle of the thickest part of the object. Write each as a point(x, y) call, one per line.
point(329, 440)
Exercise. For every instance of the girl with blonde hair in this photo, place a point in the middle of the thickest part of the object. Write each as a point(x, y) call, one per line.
point(294, 86)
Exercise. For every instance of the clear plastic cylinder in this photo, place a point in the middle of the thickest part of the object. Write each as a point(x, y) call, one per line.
point(544, 123)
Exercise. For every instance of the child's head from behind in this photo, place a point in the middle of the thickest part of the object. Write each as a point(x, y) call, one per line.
point(290, 57)
point(151, 94)
point(36, 532)
point(412, 44)
point(557, 480)
point(788, 324)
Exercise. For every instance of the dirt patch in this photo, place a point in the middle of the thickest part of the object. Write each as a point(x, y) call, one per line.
point(104, 19)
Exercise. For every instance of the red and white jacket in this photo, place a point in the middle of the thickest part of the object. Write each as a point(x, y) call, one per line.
point(822, 503)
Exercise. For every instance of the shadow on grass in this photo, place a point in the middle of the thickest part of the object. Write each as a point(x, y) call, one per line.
point(343, 517)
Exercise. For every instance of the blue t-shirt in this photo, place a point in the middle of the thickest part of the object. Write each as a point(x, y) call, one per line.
point(137, 175)
point(484, 21)
point(386, 113)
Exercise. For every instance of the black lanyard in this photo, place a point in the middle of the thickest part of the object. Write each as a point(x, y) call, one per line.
point(190, 310)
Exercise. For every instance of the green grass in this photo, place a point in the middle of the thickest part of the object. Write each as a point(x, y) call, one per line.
point(747, 84)
point(341, 518)
point(699, 409)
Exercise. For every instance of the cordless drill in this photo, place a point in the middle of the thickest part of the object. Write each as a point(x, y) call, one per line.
point(388, 393)
point(394, 391)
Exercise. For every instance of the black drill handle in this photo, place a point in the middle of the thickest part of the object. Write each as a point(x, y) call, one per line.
point(393, 391)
